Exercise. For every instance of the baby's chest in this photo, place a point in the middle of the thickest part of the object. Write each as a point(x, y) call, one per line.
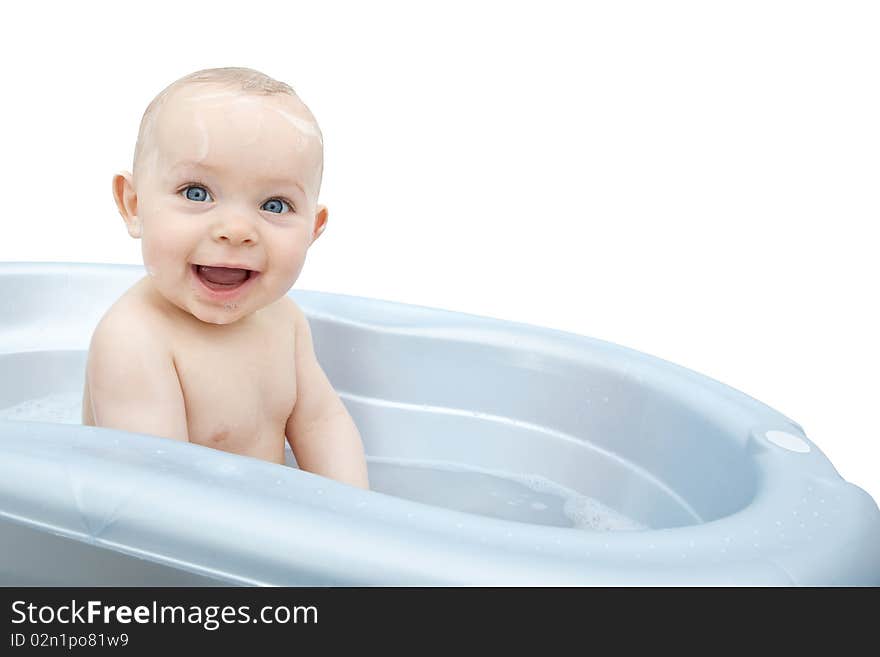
point(237, 388)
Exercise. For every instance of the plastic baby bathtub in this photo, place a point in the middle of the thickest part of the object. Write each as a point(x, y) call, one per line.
point(727, 490)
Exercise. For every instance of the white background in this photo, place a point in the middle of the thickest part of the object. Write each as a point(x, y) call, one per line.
point(698, 181)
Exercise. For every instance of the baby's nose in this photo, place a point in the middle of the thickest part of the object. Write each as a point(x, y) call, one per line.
point(235, 231)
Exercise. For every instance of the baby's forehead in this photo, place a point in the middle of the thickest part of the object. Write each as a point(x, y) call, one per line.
point(197, 100)
point(197, 122)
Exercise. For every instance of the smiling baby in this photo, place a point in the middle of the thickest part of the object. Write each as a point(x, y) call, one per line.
point(207, 347)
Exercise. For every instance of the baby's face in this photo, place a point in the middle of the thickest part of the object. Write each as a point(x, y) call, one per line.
point(228, 181)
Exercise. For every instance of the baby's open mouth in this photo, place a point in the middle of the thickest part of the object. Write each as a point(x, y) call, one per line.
point(222, 278)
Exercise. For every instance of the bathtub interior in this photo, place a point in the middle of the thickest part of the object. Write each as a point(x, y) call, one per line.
point(592, 429)
point(441, 410)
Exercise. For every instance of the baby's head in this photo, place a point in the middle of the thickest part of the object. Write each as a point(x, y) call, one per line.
point(226, 175)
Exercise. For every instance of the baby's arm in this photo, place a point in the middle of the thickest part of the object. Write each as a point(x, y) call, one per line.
point(132, 381)
point(321, 433)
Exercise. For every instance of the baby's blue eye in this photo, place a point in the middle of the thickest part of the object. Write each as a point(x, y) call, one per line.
point(275, 205)
point(196, 193)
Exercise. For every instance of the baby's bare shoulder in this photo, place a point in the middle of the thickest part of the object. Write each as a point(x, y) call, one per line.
point(131, 321)
point(291, 311)
point(288, 305)
point(131, 379)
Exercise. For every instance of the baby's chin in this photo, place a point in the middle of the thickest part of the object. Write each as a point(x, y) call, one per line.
point(229, 313)
point(219, 315)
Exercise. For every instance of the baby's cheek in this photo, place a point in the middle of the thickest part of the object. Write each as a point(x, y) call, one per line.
point(162, 253)
point(293, 259)
point(155, 252)
point(293, 246)
point(294, 267)
point(164, 239)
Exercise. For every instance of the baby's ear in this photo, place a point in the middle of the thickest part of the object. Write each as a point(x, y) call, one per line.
point(320, 222)
point(126, 201)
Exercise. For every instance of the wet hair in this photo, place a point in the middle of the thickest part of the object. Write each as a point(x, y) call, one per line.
point(246, 80)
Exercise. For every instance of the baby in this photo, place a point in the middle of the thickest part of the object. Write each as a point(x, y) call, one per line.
point(207, 348)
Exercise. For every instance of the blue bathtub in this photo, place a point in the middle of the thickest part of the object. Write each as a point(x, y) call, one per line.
point(719, 488)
